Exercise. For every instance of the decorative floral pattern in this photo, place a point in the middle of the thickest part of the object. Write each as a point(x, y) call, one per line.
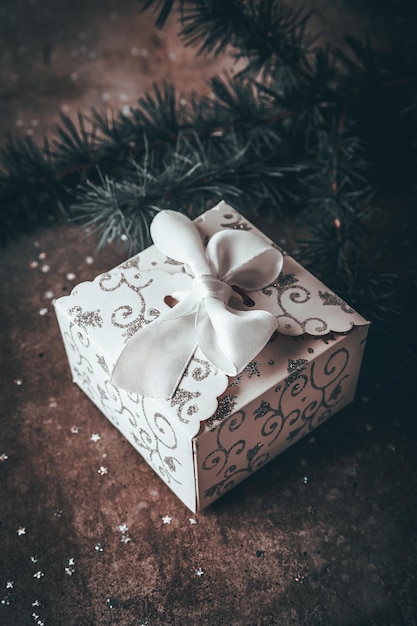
point(222, 428)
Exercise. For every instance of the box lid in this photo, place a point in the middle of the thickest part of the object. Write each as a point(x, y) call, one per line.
point(114, 306)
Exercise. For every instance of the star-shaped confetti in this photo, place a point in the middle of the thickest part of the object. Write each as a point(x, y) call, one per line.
point(71, 561)
point(166, 519)
point(125, 539)
point(192, 521)
point(95, 437)
point(99, 547)
point(75, 430)
point(10, 584)
point(199, 572)
point(123, 528)
point(34, 559)
point(3, 457)
point(102, 470)
point(21, 531)
point(69, 571)
point(38, 574)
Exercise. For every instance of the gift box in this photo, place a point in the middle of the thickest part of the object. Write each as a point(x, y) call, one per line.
point(211, 364)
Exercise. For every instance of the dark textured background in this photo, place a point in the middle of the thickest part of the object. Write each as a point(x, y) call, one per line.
point(324, 535)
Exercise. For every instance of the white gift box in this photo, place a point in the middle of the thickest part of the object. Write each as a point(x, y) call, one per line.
point(215, 430)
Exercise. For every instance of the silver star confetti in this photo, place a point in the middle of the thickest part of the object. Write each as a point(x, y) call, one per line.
point(3, 457)
point(125, 539)
point(10, 584)
point(192, 521)
point(21, 531)
point(38, 574)
point(123, 528)
point(166, 519)
point(199, 572)
point(102, 470)
point(99, 547)
point(95, 437)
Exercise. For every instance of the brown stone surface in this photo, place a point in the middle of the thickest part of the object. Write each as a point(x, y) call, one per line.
point(324, 535)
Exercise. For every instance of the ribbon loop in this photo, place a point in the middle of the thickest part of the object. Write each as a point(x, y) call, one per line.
point(154, 360)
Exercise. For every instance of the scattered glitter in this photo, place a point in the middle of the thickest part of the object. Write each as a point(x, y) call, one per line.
point(38, 574)
point(34, 559)
point(3, 457)
point(21, 531)
point(102, 470)
point(192, 521)
point(58, 513)
point(45, 268)
point(124, 237)
point(199, 572)
point(42, 256)
point(43, 311)
point(260, 553)
point(36, 603)
point(299, 578)
point(10, 584)
point(6, 601)
point(125, 539)
point(33, 265)
point(111, 603)
point(89, 259)
point(95, 437)
point(71, 276)
point(99, 547)
point(166, 519)
point(391, 447)
point(311, 510)
point(123, 528)
point(48, 295)
point(69, 571)
point(305, 479)
point(18, 381)
point(75, 430)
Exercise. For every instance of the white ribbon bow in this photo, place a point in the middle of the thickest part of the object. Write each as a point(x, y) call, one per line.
point(156, 357)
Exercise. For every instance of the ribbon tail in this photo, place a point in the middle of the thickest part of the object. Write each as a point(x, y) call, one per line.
point(154, 360)
point(231, 339)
